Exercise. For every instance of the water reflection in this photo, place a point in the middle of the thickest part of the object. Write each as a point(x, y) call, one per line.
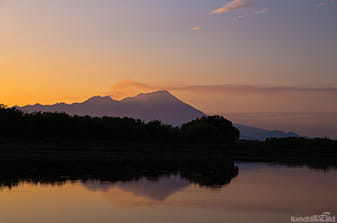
point(199, 192)
point(211, 175)
point(170, 176)
point(154, 190)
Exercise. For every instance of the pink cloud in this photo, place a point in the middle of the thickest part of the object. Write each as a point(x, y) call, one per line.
point(258, 12)
point(233, 5)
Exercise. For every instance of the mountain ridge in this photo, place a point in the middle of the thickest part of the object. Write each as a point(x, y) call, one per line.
point(254, 133)
point(158, 105)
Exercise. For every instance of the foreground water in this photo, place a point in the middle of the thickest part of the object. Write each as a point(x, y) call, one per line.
point(258, 193)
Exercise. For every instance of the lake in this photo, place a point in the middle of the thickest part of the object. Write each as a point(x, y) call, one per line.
point(251, 192)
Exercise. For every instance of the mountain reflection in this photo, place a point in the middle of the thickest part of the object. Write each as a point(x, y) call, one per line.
point(154, 190)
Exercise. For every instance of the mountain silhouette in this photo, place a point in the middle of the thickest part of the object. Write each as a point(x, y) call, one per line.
point(158, 105)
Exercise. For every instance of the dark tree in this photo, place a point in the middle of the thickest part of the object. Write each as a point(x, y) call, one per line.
point(17, 124)
point(210, 129)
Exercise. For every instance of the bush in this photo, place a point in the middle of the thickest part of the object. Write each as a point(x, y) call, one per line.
point(210, 129)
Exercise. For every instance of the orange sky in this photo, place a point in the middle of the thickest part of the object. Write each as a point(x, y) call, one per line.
point(67, 51)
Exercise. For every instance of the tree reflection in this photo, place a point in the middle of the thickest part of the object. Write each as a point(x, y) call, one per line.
point(215, 174)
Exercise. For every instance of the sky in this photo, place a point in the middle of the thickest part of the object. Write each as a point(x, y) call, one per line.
point(266, 63)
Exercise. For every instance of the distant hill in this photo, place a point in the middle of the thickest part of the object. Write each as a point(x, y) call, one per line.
point(159, 105)
point(252, 133)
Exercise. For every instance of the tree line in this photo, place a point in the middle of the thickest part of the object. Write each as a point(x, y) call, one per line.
point(18, 124)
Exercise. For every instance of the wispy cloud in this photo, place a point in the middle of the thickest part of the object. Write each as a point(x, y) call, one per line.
point(233, 5)
point(127, 87)
point(258, 12)
point(326, 2)
point(196, 28)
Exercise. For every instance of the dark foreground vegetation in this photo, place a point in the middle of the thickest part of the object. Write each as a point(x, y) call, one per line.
point(59, 139)
point(317, 153)
point(20, 125)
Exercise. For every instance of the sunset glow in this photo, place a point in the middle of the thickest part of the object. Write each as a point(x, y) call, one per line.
point(248, 60)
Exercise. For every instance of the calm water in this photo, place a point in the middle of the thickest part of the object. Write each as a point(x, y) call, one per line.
point(258, 193)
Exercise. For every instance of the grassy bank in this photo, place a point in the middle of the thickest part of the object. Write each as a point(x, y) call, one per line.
point(100, 151)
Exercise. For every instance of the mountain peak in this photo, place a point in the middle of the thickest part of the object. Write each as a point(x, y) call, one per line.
point(157, 93)
point(99, 99)
point(161, 96)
